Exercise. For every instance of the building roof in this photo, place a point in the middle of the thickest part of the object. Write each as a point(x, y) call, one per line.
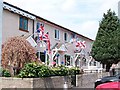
point(45, 19)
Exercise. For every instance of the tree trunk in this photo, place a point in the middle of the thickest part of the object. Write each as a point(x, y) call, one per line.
point(103, 65)
point(108, 67)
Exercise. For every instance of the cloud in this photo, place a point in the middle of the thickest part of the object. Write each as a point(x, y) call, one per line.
point(89, 28)
point(81, 16)
point(68, 5)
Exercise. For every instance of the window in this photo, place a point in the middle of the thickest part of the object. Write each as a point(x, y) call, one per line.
point(38, 25)
point(72, 35)
point(65, 36)
point(42, 56)
point(56, 59)
point(57, 34)
point(67, 60)
point(23, 23)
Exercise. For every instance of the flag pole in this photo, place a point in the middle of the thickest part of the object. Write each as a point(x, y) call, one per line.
point(1, 11)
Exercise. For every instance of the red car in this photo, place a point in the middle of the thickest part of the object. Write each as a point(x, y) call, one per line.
point(109, 86)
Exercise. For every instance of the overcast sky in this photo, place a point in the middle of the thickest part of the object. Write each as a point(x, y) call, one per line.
point(81, 16)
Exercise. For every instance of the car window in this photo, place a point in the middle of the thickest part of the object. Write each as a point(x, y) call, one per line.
point(118, 75)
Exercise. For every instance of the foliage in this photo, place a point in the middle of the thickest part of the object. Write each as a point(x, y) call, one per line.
point(6, 73)
point(74, 70)
point(34, 70)
point(59, 71)
point(106, 47)
point(17, 51)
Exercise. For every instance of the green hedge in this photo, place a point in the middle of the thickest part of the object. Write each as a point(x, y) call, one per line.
point(6, 73)
point(34, 70)
point(59, 71)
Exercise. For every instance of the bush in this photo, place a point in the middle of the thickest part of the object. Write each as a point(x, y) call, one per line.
point(34, 70)
point(44, 71)
point(59, 71)
point(74, 70)
point(17, 51)
point(6, 73)
point(63, 71)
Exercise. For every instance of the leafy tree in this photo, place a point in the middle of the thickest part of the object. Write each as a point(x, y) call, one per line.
point(106, 47)
point(17, 51)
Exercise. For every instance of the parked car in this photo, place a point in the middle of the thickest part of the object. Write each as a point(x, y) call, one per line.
point(109, 86)
point(107, 79)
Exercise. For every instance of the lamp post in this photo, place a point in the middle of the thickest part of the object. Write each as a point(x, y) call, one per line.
point(1, 10)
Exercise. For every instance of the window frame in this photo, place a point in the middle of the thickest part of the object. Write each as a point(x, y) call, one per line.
point(66, 38)
point(66, 60)
point(23, 23)
point(73, 35)
point(57, 34)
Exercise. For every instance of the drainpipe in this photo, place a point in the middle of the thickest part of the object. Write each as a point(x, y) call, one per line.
point(1, 11)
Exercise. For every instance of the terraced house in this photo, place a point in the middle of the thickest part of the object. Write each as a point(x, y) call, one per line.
point(18, 22)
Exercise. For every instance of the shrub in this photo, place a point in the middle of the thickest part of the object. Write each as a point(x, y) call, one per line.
point(59, 71)
point(34, 70)
point(74, 70)
point(6, 73)
point(17, 51)
point(44, 71)
point(63, 71)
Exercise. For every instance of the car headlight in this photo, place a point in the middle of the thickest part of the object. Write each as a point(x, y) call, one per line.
point(98, 80)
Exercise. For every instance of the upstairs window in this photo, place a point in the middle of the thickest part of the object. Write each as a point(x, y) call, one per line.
point(65, 36)
point(57, 34)
point(72, 35)
point(38, 25)
point(23, 23)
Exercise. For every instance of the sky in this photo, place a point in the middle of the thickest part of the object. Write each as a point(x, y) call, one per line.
point(81, 16)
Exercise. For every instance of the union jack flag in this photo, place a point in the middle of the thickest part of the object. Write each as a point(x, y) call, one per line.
point(47, 40)
point(40, 30)
point(81, 44)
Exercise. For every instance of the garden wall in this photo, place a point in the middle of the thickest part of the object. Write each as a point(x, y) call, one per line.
point(87, 80)
point(84, 81)
point(49, 82)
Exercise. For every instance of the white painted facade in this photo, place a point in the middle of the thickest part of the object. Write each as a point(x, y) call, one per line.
point(1, 10)
point(11, 27)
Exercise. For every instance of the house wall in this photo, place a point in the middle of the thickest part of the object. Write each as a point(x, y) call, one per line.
point(11, 26)
point(51, 29)
point(1, 10)
point(71, 47)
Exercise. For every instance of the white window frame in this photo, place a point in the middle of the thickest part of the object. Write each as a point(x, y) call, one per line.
point(65, 59)
point(66, 36)
point(57, 32)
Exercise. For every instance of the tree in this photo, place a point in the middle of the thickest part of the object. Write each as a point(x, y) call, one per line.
point(17, 51)
point(106, 47)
